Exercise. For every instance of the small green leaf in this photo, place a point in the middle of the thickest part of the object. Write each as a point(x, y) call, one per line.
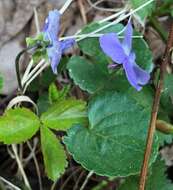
point(37, 40)
point(53, 93)
point(53, 154)
point(62, 115)
point(56, 94)
point(156, 180)
point(41, 51)
point(114, 143)
point(18, 125)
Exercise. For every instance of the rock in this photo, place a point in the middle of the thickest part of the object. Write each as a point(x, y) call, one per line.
point(7, 65)
point(14, 15)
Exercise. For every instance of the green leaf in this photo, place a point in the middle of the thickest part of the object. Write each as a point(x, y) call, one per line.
point(34, 41)
point(114, 143)
point(56, 94)
point(91, 46)
point(53, 93)
point(167, 95)
point(18, 125)
point(94, 77)
point(64, 114)
point(143, 13)
point(53, 154)
point(168, 87)
point(156, 179)
point(88, 76)
point(143, 53)
point(41, 51)
point(43, 103)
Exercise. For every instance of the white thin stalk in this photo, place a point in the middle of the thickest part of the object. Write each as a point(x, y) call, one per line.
point(29, 75)
point(95, 36)
point(86, 180)
point(32, 149)
point(14, 147)
point(113, 16)
point(35, 75)
point(36, 20)
point(95, 6)
point(27, 71)
point(117, 20)
point(121, 13)
point(9, 183)
point(65, 6)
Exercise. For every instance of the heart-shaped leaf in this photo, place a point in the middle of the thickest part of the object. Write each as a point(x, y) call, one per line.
point(114, 143)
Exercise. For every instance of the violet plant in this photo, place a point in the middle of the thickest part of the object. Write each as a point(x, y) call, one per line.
point(122, 54)
point(50, 33)
point(105, 133)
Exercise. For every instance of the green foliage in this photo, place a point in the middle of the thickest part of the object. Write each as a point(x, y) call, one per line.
point(18, 125)
point(168, 87)
point(62, 115)
point(88, 76)
point(109, 137)
point(92, 74)
point(156, 179)
point(143, 13)
point(115, 138)
point(94, 77)
point(143, 53)
point(91, 46)
point(53, 154)
point(167, 95)
point(41, 45)
point(43, 103)
point(42, 82)
point(57, 95)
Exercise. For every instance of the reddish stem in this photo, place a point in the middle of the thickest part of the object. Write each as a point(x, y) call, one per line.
point(155, 109)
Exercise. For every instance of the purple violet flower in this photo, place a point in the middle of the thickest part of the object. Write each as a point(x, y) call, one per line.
point(56, 47)
point(121, 53)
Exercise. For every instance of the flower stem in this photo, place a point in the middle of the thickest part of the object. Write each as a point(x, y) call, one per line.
point(17, 62)
point(18, 68)
point(155, 109)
